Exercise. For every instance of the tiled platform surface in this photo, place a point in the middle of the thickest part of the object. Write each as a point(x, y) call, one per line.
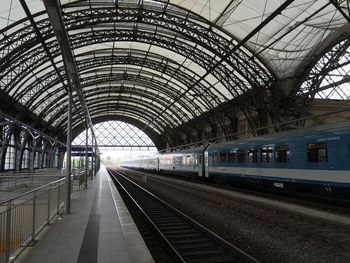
point(99, 229)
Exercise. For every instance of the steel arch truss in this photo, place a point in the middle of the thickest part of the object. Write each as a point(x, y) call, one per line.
point(117, 133)
point(138, 84)
point(22, 148)
point(343, 6)
point(124, 86)
point(99, 70)
point(329, 77)
point(159, 141)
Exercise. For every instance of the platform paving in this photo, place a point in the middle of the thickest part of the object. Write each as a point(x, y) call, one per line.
point(99, 229)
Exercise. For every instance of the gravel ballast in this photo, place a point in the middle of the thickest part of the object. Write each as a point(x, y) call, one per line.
point(266, 242)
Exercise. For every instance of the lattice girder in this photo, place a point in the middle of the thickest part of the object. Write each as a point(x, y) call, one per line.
point(231, 74)
point(158, 140)
point(192, 26)
point(343, 6)
point(197, 56)
point(154, 106)
point(167, 119)
point(202, 96)
point(213, 41)
point(143, 81)
point(124, 107)
point(202, 54)
point(131, 113)
point(111, 133)
point(124, 110)
point(193, 53)
point(196, 40)
point(328, 73)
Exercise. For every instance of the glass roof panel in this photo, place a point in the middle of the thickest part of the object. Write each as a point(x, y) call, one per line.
point(291, 37)
point(209, 9)
point(194, 67)
point(226, 94)
point(329, 76)
point(286, 42)
point(10, 12)
point(116, 133)
point(63, 2)
point(35, 6)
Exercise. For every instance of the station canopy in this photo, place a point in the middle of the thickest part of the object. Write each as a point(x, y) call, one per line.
point(159, 64)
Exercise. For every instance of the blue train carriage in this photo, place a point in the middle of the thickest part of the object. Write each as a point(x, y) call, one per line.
point(314, 160)
point(184, 163)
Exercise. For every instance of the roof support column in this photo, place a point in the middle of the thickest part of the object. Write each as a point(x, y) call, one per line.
point(96, 158)
point(92, 158)
point(86, 156)
point(69, 153)
point(54, 12)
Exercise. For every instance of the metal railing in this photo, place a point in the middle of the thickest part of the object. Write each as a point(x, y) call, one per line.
point(22, 217)
point(78, 177)
point(15, 183)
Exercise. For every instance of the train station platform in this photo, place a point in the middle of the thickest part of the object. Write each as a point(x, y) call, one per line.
point(99, 229)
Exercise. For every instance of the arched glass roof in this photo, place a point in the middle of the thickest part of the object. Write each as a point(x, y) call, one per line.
point(286, 42)
point(159, 64)
point(329, 77)
point(116, 134)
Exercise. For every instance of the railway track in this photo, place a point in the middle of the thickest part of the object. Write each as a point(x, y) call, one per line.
point(323, 230)
point(308, 200)
point(186, 239)
point(332, 205)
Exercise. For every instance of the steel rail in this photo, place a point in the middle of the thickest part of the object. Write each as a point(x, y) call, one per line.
point(216, 246)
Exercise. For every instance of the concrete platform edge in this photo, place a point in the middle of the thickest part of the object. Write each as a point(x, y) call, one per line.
point(138, 251)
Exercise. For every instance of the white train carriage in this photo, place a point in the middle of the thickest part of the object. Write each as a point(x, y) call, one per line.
point(187, 162)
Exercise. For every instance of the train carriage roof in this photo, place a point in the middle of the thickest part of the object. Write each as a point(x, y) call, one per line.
point(194, 150)
point(319, 130)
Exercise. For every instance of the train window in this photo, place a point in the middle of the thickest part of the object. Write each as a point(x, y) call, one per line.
point(192, 160)
point(222, 157)
point(199, 159)
point(215, 158)
point(188, 160)
point(317, 152)
point(178, 160)
point(252, 156)
point(282, 153)
point(266, 154)
point(231, 156)
point(241, 156)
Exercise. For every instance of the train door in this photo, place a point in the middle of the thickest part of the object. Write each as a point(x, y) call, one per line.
point(199, 163)
point(206, 164)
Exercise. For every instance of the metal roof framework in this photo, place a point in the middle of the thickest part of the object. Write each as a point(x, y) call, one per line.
point(328, 77)
point(116, 133)
point(159, 64)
